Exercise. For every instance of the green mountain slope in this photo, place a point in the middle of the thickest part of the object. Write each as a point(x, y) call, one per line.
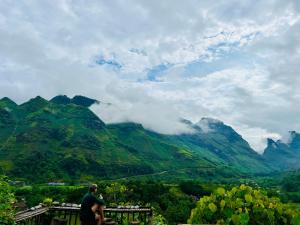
point(221, 144)
point(62, 139)
point(284, 155)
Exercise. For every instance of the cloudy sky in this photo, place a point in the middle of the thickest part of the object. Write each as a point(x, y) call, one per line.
point(160, 60)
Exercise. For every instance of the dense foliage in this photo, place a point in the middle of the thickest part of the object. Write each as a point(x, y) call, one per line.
point(291, 181)
point(243, 205)
point(290, 185)
point(6, 202)
point(172, 202)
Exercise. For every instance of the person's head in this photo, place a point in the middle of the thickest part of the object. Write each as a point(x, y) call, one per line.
point(93, 188)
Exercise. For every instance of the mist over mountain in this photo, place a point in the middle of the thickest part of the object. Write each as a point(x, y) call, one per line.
point(67, 141)
point(285, 155)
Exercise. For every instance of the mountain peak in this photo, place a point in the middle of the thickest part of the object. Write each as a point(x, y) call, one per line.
point(283, 154)
point(271, 144)
point(61, 99)
point(34, 104)
point(77, 100)
point(7, 102)
point(211, 120)
point(270, 141)
point(6, 99)
point(293, 135)
point(83, 101)
point(294, 141)
point(38, 99)
point(187, 122)
point(207, 124)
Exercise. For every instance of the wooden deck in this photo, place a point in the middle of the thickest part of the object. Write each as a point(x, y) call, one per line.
point(23, 215)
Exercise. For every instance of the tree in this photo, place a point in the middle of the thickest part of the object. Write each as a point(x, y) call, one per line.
point(192, 188)
point(116, 191)
point(242, 205)
point(6, 202)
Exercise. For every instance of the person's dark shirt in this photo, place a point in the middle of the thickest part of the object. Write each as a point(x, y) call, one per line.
point(88, 201)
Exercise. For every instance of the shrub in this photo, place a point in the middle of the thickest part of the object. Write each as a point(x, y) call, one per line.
point(6, 202)
point(48, 201)
point(242, 205)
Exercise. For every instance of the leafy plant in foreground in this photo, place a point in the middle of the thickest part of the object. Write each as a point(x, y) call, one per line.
point(242, 205)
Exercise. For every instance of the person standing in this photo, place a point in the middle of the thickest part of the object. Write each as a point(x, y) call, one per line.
point(90, 205)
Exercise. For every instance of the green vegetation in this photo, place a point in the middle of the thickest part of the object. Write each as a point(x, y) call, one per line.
point(62, 140)
point(243, 205)
point(33, 195)
point(6, 202)
point(290, 185)
point(291, 181)
point(68, 142)
point(172, 203)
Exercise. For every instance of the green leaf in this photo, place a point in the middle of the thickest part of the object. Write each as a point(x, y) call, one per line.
point(248, 198)
point(244, 218)
point(222, 203)
point(228, 212)
point(295, 221)
point(221, 191)
point(235, 219)
point(212, 207)
point(243, 187)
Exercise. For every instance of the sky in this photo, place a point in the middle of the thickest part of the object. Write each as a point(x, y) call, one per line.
point(159, 61)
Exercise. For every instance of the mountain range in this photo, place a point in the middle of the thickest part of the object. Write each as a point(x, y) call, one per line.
point(284, 155)
point(63, 140)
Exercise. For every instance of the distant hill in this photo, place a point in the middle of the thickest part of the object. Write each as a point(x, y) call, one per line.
point(215, 140)
point(284, 155)
point(62, 139)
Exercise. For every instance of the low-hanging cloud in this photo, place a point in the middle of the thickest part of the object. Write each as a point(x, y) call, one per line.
point(234, 61)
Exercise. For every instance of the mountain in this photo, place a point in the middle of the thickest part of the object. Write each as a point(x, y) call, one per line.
point(62, 139)
point(77, 100)
point(284, 155)
point(6, 103)
point(221, 144)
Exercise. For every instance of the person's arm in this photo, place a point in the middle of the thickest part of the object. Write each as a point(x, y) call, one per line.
point(98, 211)
point(101, 214)
point(94, 208)
point(98, 206)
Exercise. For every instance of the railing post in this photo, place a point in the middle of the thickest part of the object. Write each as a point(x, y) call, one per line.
point(121, 218)
point(76, 215)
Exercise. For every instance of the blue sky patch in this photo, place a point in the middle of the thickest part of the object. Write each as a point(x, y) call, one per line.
point(157, 71)
point(111, 62)
point(228, 60)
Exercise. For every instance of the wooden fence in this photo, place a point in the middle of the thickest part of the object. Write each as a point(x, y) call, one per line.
point(70, 214)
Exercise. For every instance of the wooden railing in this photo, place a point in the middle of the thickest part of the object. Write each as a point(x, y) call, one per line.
point(70, 214)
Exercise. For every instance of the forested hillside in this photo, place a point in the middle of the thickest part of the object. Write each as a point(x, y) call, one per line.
point(63, 140)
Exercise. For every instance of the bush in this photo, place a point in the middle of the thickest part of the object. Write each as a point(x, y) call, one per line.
point(157, 218)
point(242, 205)
point(6, 202)
point(192, 188)
point(48, 201)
